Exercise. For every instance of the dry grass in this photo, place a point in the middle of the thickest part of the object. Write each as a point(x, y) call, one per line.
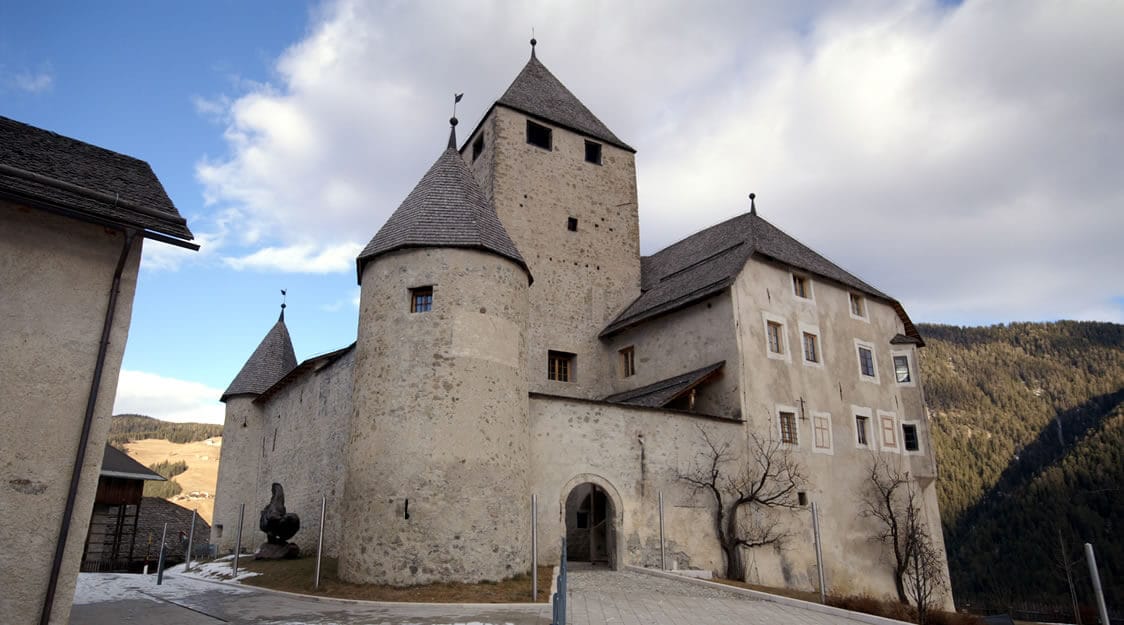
point(202, 458)
point(296, 576)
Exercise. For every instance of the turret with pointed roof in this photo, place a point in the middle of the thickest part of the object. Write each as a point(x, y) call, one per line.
point(273, 358)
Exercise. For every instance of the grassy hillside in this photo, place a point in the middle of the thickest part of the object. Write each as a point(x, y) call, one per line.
point(1029, 432)
point(135, 427)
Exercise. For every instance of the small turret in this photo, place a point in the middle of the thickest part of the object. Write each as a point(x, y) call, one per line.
point(273, 358)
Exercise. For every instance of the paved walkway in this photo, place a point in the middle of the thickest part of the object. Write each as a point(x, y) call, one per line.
point(597, 597)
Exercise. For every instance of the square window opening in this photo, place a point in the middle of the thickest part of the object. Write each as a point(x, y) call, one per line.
point(788, 427)
point(421, 299)
point(572, 224)
point(477, 147)
point(628, 362)
point(560, 366)
point(593, 152)
point(539, 135)
point(909, 437)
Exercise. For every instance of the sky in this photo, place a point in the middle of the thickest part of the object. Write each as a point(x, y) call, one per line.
point(965, 158)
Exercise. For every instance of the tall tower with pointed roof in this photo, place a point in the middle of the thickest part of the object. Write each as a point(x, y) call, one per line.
point(243, 427)
point(564, 186)
point(437, 483)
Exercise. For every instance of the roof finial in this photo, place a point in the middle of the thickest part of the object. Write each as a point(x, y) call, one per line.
point(752, 204)
point(453, 121)
point(283, 294)
point(533, 42)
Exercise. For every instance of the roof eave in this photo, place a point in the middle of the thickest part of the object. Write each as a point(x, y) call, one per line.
point(620, 325)
point(617, 143)
point(362, 260)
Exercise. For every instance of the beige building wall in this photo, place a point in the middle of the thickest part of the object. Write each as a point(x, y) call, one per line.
point(437, 485)
point(583, 278)
point(62, 270)
point(239, 467)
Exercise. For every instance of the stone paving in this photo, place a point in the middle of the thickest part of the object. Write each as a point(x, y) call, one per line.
point(597, 597)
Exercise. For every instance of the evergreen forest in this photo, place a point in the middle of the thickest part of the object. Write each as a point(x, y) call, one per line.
point(1028, 426)
point(135, 427)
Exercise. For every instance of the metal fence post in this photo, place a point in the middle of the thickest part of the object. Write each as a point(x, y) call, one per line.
point(320, 542)
point(238, 539)
point(663, 557)
point(190, 542)
point(534, 548)
point(160, 559)
point(1092, 559)
point(819, 552)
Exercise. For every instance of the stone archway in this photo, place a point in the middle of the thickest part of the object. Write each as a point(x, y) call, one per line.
point(591, 513)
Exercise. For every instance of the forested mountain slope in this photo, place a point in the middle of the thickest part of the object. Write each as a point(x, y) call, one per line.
point(135, 427)
point(1028, 425)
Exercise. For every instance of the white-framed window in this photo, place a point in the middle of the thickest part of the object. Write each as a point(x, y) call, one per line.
point(904, 373)
point(811, 347)
point(776, 341)
point(821, 433)
point(868, 363)
point(911, 438)
point(788, 428)
point(864, 436)
point(802, 287)
point(857, 306)
point(888, 431)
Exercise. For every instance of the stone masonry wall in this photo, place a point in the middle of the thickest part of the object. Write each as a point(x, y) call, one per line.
point(239, 464)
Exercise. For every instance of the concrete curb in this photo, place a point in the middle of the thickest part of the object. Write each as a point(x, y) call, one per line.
point(764, 596)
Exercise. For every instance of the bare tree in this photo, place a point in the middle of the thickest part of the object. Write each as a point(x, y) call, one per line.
point(924, 579)
point(747, 492)
point(892, 502)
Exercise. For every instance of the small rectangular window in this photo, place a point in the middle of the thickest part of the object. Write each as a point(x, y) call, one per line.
point(821, 430)
point(776, 343)
point(858, 306)
point(866, 361)
point(788, 427)
point(889, 430)
point(593, 152)
point(421, 299)
point(860, 430)
point(800, 286)
point(572, 224)
point(628, 362)
point(909, 437)
point(477, 147)
point(901, 369)
point(560, 366)
point(801, 498)
point(811, 347)
point(539, 135)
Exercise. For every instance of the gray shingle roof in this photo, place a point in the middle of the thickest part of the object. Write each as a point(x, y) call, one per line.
point(447, 208)
point(535, 91)
point(662, 393)
point(116, 463)
point(707, 262)
point(316, 363)
point(39, 166)
point(273, 358)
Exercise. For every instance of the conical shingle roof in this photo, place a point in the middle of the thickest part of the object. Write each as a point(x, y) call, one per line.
point(537, 92)
point(447, 208)
point(273, 358)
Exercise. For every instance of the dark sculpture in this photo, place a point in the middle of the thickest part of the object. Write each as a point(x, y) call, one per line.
point(279, 527)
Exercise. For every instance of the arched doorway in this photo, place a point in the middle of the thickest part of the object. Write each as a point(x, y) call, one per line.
point(590, 525)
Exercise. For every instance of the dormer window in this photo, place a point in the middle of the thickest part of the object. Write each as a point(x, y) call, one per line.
point(593, 152)
point(477, 147)
point(539, 135)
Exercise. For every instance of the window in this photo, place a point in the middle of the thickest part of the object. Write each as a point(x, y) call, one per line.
point(593, 152)
point(538, 135)
point(868, 369)
point(889, 430)
point(421, 299)
point(628, 362)
point(903, 369)
point(862, 425)
point(821, 432)
point(776, 343)
point(801, 498)
point(572, 224)
point(477, 147)
point(909, 437)
point(801, 287)
point(858, 307)
point(811, 347)
point(788, 427)
point(560, 366)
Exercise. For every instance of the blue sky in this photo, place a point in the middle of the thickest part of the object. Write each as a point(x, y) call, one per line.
point(962, 157)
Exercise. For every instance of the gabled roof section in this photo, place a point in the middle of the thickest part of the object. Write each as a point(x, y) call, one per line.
point(273, 358)
point(45, 169)
point(116, 463)
point(707, 262)
point(662, 393)
point(536, 92)
point(447, 208)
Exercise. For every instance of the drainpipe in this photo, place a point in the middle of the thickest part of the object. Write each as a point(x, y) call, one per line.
point(83, 441)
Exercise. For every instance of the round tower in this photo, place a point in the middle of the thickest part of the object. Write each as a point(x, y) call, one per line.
point(437, 460)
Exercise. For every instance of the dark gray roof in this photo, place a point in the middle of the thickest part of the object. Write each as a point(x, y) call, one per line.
point(41, 167)
point(535, 91)
point(662, 393)
point(447, 208)
point(316, 363)
point(707, 262)
point(273, 358)
point(901, 339)
point(116, 463)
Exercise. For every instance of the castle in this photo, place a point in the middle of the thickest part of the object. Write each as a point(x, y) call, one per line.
point(513, 341)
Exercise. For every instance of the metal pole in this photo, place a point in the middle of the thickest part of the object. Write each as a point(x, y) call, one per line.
point(160, 560)
point(819, 551)
point(1092, 559)
point(238, 539)
point(663, 557)
point(190, 541)
point(320, 542)
point(534, 548)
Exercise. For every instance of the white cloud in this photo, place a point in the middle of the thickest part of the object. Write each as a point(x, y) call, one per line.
point(168, 399)
point(964, 159)
point(33, 82)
